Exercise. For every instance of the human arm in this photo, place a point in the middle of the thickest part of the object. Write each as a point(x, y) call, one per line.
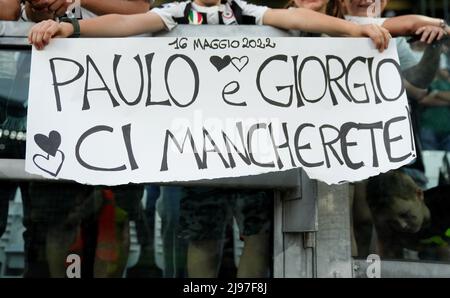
point(101, 7)
point(113, 25)
point(444, 74)
point(314, 22)
point(413, 92)
point(39, 10)
point(409, 24)
point(10, 10)
point(422, 74)
point(436, 99)
point(427, 98)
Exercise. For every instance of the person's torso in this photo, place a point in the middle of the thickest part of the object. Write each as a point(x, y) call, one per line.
point(227, 13)
point(438, 202)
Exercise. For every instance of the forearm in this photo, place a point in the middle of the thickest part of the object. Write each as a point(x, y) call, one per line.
point(10, 10)
point(436, 99)
point(414, 92)
point(422, 74)
point(444, 96)
point(310, 21)
point(444, 74)
point(409, 24)
point(115, 25)
point(101, 7)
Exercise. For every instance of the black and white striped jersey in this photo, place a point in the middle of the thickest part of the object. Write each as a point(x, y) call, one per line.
point(229, 12)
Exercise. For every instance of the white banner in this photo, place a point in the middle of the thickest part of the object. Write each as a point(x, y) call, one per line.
point(114, 111)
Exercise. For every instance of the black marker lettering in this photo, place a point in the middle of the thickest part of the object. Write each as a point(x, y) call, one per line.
point(397, 67)
point(57, 84)
point(169, 134)
point(194, 72)
point(251, 131)
point(216, 149)
point(300, 74)
point(281, 146)
point(86, 106)
point(116, 80)
point(350, 65)
point(279, 88)
point(388, 140)
point(244, 156)
point(149, 102)
point(126, 132)
point(80, 160)
point(229, 89)
point(335, 79)
point(303, 147)
point(329, 144)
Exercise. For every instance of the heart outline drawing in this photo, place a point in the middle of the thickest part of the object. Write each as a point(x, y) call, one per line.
point(219, 62)
point(50, 145)
point(54, 174)
point(238, 63)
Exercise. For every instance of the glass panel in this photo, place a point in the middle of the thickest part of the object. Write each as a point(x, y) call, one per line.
point(14, 79)
point(60, 229)
point(405, 214)
point(65, 229)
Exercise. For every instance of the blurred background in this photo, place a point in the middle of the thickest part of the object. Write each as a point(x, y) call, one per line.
point(435, 8)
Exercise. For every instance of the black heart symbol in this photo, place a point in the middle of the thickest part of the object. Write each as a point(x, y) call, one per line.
point(220, 63)
point(49, 144)
point(240, 63)
point(54, 174)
